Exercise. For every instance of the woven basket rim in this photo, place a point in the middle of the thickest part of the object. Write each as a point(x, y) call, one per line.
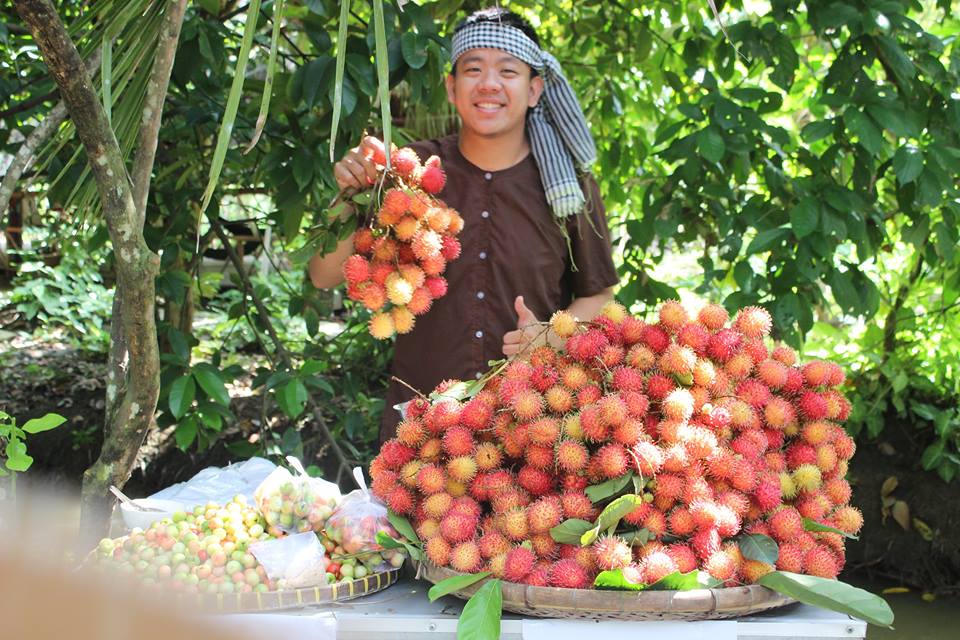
point(662, 605)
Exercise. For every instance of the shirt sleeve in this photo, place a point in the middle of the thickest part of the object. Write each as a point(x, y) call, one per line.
point(592, 269)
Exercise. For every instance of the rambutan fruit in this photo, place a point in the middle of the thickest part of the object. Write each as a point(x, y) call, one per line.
point(487, 456)
point(626, 378)
point(431, 479)
point(640, 357)
point(588, 394)
point(465, 557)
point(778, 413)
point(590, 425)
point(813, 505)
point(768, 493)
point(403, 319)
point(788, 488)
point(572, 456)
point(519, 563)
point(807, 477)
point(457, 527)
point(450, 249)
point(826, 457)
point(400, 500)
point(569, 574)
point(680, 522)
point(628, 433)
point(821, 562)
point(695, 336)
point(544, 431)
point(657, 565)
point(611, 552)
point(631, 330)
point(785, 524)
point(536, 481)
point(713, 317)
point(395, 455)
point(381, 326)
point(675, 458)
point(700, 442)
point(527, 405)
point(433, 265)
point(812, 405)
point(658, 386)
point(576, 504)
point(848, 519)
point(647, 458)
point(753, 322)
point(721, 566)
point(724, 344)
point(356, 269)
point(753, 570)
point(672, 315)
point(677, 405)
point(705, 543)
point(363, 240)
point(837, 490)
point(462, 468)
point(543, 377)
point(493, 543)
point(844, 446)
point(655, 338)
point(656, 523)
point(438, 504)
point(513, 524)
point(544, 514)
point(411, 432)
point(563, 324)
point(754, 392)
point(838, 407)
point(438, 551)
point(611, 459)
point(784, 354)
point(539, 456)
point(683, 556)
point(432, 179)
point(739, 366)
point(816, 373)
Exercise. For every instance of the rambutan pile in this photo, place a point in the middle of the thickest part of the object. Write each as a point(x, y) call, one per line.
point(397, 270)
point(723, 435)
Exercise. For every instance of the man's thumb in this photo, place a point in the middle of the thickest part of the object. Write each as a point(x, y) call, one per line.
point(524, 315)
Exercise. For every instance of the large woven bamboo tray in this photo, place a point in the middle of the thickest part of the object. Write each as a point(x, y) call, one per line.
point(552, 602)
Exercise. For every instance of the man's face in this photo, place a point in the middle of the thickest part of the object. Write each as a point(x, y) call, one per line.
point(492, 91)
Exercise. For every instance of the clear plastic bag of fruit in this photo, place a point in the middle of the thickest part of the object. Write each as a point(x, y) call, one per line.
point(354, 525)
point(293, 561)
point(294, 503)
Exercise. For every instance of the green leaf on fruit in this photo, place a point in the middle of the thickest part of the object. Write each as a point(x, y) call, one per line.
point(389, 542)
point(756, 546)
point(481, 616)
point(615, 581)
point(677, 581)
point(569, 531)
point(610, 516)
point(812, 525)
point(604, 490)
point(47, 422)
point(831, 594)
point(638, 537)
point(456, 583)
point(403, 526)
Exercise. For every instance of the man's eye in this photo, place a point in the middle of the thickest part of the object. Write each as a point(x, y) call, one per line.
point(509, 72)
point(472, 69)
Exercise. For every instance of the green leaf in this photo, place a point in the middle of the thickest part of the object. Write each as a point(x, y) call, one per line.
point(480, 619)
point(292, 398)
point(615, 581)
point(639, 537)
point(230, 112)
point(816, 130)
point(268, 81)
point(212, 384)
point(456, 583)
point(862, 126)
point(570, 531)
point(381, 54)
point(812, 525)
point(403, 526)
point(908, 163)
point(182, 392)
point(17, 458)
point(338, 79)
point(186, 433)
point(766, 240)
point(804, 217)
point(677, 581)
point(611, 515)
point(932, 455)
point(710, 144)
point(45, 423)
point(756, 546)
point(414, 49)
point(598, 492)
point(388, 542)
point(831, 594)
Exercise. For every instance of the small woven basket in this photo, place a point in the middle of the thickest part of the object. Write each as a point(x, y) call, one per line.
point(592, 604)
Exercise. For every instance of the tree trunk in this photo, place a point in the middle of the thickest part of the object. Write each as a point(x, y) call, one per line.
point(134, 374)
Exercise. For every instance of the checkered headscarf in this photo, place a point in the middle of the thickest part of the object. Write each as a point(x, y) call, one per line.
point(559, 136)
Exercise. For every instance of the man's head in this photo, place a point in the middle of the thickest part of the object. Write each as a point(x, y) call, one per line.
point(490, 88)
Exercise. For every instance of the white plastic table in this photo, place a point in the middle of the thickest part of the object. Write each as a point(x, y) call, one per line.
point(403, 612)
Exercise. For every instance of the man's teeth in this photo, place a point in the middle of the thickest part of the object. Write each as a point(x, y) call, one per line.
point(488, 105)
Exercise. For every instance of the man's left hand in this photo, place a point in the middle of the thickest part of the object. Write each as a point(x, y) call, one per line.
point(528, 330)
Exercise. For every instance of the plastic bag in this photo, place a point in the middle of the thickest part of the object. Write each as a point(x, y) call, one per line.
point(296, 503)
point(353, 527)
point(220, 485)
point(293, 561)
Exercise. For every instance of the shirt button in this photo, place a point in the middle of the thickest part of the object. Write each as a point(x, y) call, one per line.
point(480, 294)
point(479, 334)
point(484, 214)
point(483, 255)
point(478, 375)
point(488, 175)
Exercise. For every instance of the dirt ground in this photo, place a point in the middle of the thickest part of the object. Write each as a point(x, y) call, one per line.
point(38, 378)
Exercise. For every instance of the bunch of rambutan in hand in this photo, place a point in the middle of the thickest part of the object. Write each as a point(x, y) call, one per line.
point(397, 270)
point(718, 438)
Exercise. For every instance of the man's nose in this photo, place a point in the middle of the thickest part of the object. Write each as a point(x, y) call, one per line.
point(489, 81)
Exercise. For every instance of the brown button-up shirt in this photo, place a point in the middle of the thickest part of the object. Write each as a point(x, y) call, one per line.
point(511, 245)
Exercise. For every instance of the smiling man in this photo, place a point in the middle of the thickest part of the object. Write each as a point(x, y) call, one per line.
point(535, 237)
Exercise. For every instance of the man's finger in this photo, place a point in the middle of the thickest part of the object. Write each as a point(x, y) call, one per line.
point(345, 178)
point(525, 317)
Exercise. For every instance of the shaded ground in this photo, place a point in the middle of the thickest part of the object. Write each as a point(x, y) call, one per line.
point(37, 378)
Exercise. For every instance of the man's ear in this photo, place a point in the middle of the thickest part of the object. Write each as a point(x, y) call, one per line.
point(451, 91)
point(536, 90)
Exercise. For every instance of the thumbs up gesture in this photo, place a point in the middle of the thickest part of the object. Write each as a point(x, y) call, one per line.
point(527, 330)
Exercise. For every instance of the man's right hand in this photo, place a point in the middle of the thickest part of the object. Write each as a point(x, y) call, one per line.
point(358, 170)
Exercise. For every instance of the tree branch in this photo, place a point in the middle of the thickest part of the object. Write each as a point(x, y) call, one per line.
point(26, 105)
point(153, 105)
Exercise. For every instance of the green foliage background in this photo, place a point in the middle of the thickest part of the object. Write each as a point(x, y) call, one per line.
point(799, 156)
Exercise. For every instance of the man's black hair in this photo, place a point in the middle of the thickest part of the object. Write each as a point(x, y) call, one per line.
point(501, 16)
